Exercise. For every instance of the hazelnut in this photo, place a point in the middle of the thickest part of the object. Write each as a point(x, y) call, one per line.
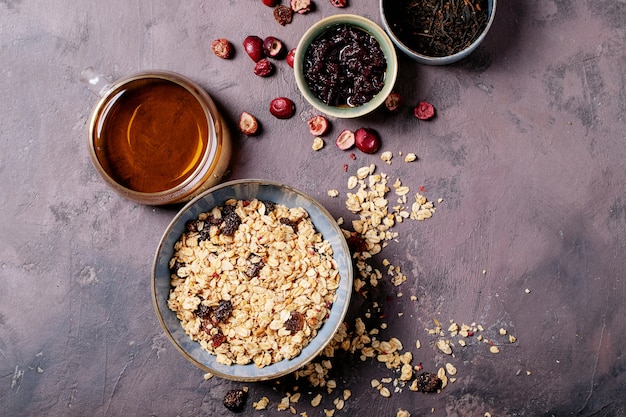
point(282, 108)
point(254, 47)
point(273, 47)
point(318, 125)
point(367, 140)
point(345, 140)
point(263, 68)
point(222, 48)
point(248, 124)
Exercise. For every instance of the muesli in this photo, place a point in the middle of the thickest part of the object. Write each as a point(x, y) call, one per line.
point(252, 281)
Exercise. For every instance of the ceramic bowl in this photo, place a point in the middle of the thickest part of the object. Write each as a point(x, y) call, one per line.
point(247, 190)
point(430, 60)
point(368, 26)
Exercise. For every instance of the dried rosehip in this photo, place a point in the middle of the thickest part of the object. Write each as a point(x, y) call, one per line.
point(295, 322)
point(282, 108)
point(424, 110)
point(264, 68)
point(222, 48)
point(248, 124)
point(345, 140)
point(318, 125)
point(274, 47)
point(253, 46)
point(235, 399)
point(393, 102)
point(301, 6)
point(270, 3)
point(367, 140)
point(428, 382)
point(290, 57)
point(339, 3)
point(283, 15)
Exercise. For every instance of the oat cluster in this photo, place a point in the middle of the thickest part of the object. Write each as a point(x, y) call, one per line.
point(252, 281)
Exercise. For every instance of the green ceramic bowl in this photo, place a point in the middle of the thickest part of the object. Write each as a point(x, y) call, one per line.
point(364, 24)
point(246, 190)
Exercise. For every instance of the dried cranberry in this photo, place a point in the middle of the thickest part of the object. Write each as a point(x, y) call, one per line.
point(274, 47)
point(318, 125)
point(295, 322)
point(367, 140)
point(235, 399)
point(217, 339)
point(345, 140)
point(248, 124)
point(424, 110)
point(253, 46)
point(339, 3)
point(428, 382)
point(270, 3)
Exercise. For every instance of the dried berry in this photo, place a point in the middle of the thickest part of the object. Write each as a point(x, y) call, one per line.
point(248, 124)
point(345, 140)
point(283, 15)
point(235, 399)
point(270, 206)
point(290, 223)
point(270, 3)
point(356, 243)
point(428, 382)
point(424, 110)
point(318, 125)
point(301, 6)
point(393, 102)
point(282, 108)
point(367, 140)
point(217, 339)
point(274, 47)
point(339, 3)
point(295, 322)
point(222, 312)
point(253, 46)
point(264, 68)
point(291, 55)
point(255, 264)
point(177, 265)
point(203, 312)
point(231, 221)
point(222, 48)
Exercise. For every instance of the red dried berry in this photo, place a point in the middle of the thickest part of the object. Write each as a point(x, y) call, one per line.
point(253, 46)
point(339, 3)
point(367, 140)
point(248, 124)
point(264, 68)
point(282, 108)
point(291, 55)
point(283, 15)
point(345, 140)
point(222, 48)
point(270, 3)
point(274, 47)
point(393, 102)
point(217, 339)
point(318, 125)
point(301, 6)
point(424, 110)
point(352, 156)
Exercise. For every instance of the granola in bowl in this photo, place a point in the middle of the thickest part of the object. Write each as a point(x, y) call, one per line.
point(279, 302)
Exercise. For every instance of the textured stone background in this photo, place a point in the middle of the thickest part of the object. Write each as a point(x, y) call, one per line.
point(527, 151)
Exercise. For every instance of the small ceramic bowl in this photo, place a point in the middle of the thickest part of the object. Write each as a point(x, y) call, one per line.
point(431, 60)
point(248, 190)
point(364, 24)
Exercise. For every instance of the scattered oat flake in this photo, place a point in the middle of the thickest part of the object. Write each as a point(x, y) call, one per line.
point(333, 193)
point(316, 400)
point(386, 157)
point(261, 404)
point(208, 376)
point(403, 413)
point(502, 331)
point(384, 391)
point(318, 143)
point(410, 157)
point(451, 369)
point(527, 291)
point(494, 349)
point(444, 346)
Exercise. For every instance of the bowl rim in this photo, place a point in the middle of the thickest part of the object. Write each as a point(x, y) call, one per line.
point(432, 60)
point(368, 26)
point(289, 365)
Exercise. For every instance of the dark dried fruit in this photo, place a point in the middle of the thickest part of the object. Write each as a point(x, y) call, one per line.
point(301, 6)
point(253, 45)
point(295, 322)
point(274, 47)
point(428, 382)
point(424, 110)
point(248, 124)
point(367, 140)
point(318, 125)
point(270, 206)
point(290, 223)
point(356, 243)
point(283, 15)
point(231, 221)
point(291, 55)
point(203, 312)
point(270, 3)
point(345, 140)
point(255, 264)
point(177, 265)
point(222, 48)
point(264, 68)
point(339, 3)
point(393, 102)
point(223, 311)
point(217, 339)
point(282, 108)
point(235, 399)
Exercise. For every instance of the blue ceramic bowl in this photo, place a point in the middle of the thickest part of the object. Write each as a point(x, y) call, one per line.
point(247, 190)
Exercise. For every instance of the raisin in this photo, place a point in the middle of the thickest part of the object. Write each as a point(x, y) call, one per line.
point(177, 265)
point(270, 206)
point(223, 311)
point(191, 226)
point(235, 399)
point(217, 339)
point(255, 264)
point(428, 382)
point(291, 223)
point(231, 221)
point(205, 233)
point(295, 322)
point(356, 243)
point(203, 312)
